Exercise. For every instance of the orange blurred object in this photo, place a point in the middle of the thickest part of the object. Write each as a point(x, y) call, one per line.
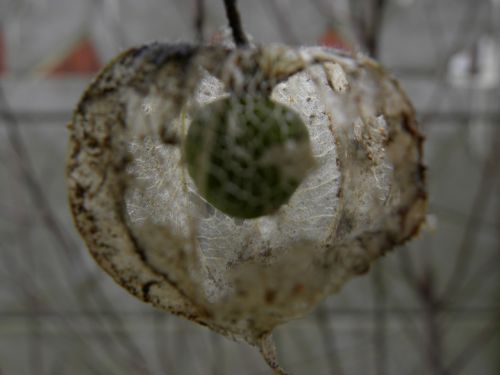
point(81, 59)
point(332, 38)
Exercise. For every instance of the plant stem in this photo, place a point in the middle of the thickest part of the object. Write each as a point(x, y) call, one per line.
point(234, 19)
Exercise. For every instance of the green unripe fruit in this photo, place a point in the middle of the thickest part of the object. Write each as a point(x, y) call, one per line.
point(247, 155)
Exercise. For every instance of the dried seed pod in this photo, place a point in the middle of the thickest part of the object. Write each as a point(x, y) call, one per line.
point(149, 226)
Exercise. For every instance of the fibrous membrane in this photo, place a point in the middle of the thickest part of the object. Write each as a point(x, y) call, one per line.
point(148, 226)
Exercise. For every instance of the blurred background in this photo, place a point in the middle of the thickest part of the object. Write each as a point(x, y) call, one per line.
point(431, 307)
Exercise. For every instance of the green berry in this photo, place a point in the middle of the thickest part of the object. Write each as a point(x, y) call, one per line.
point(247, 155)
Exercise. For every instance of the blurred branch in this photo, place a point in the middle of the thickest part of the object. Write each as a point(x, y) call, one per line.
point(39, 198)
point(458, 217)
point(474, 345)
point(199, 21)
point(324, 9)
point(282, 23)
point(49, 218)
point(469, 16)
point(329, 341)
point(424, 288)
point(28, 291)
point(380, 319)
point(472, 226)
point(427, 292)
point(483, 274)
point(367, 19)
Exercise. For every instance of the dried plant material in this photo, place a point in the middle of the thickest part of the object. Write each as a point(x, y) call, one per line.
point(149, 225)
point(336, 77)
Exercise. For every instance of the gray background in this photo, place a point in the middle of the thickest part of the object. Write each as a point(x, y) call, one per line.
point(431, 307)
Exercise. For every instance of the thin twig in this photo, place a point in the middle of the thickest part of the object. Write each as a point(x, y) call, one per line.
point(407, 268)
point(282, 23)
point(466, 24)
point(369, 24)
point(428, 298)
point(233, 16)
point(471, 230)
point(456, 216)
point(28, 291)
point(329, 341)
point(50, 220)
point(474, 345)
point(372, 39)
point(40, 200)
point(379, 319)
point(483, 274)
point(323, 9)
point(199, 21)
point(424, 287)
